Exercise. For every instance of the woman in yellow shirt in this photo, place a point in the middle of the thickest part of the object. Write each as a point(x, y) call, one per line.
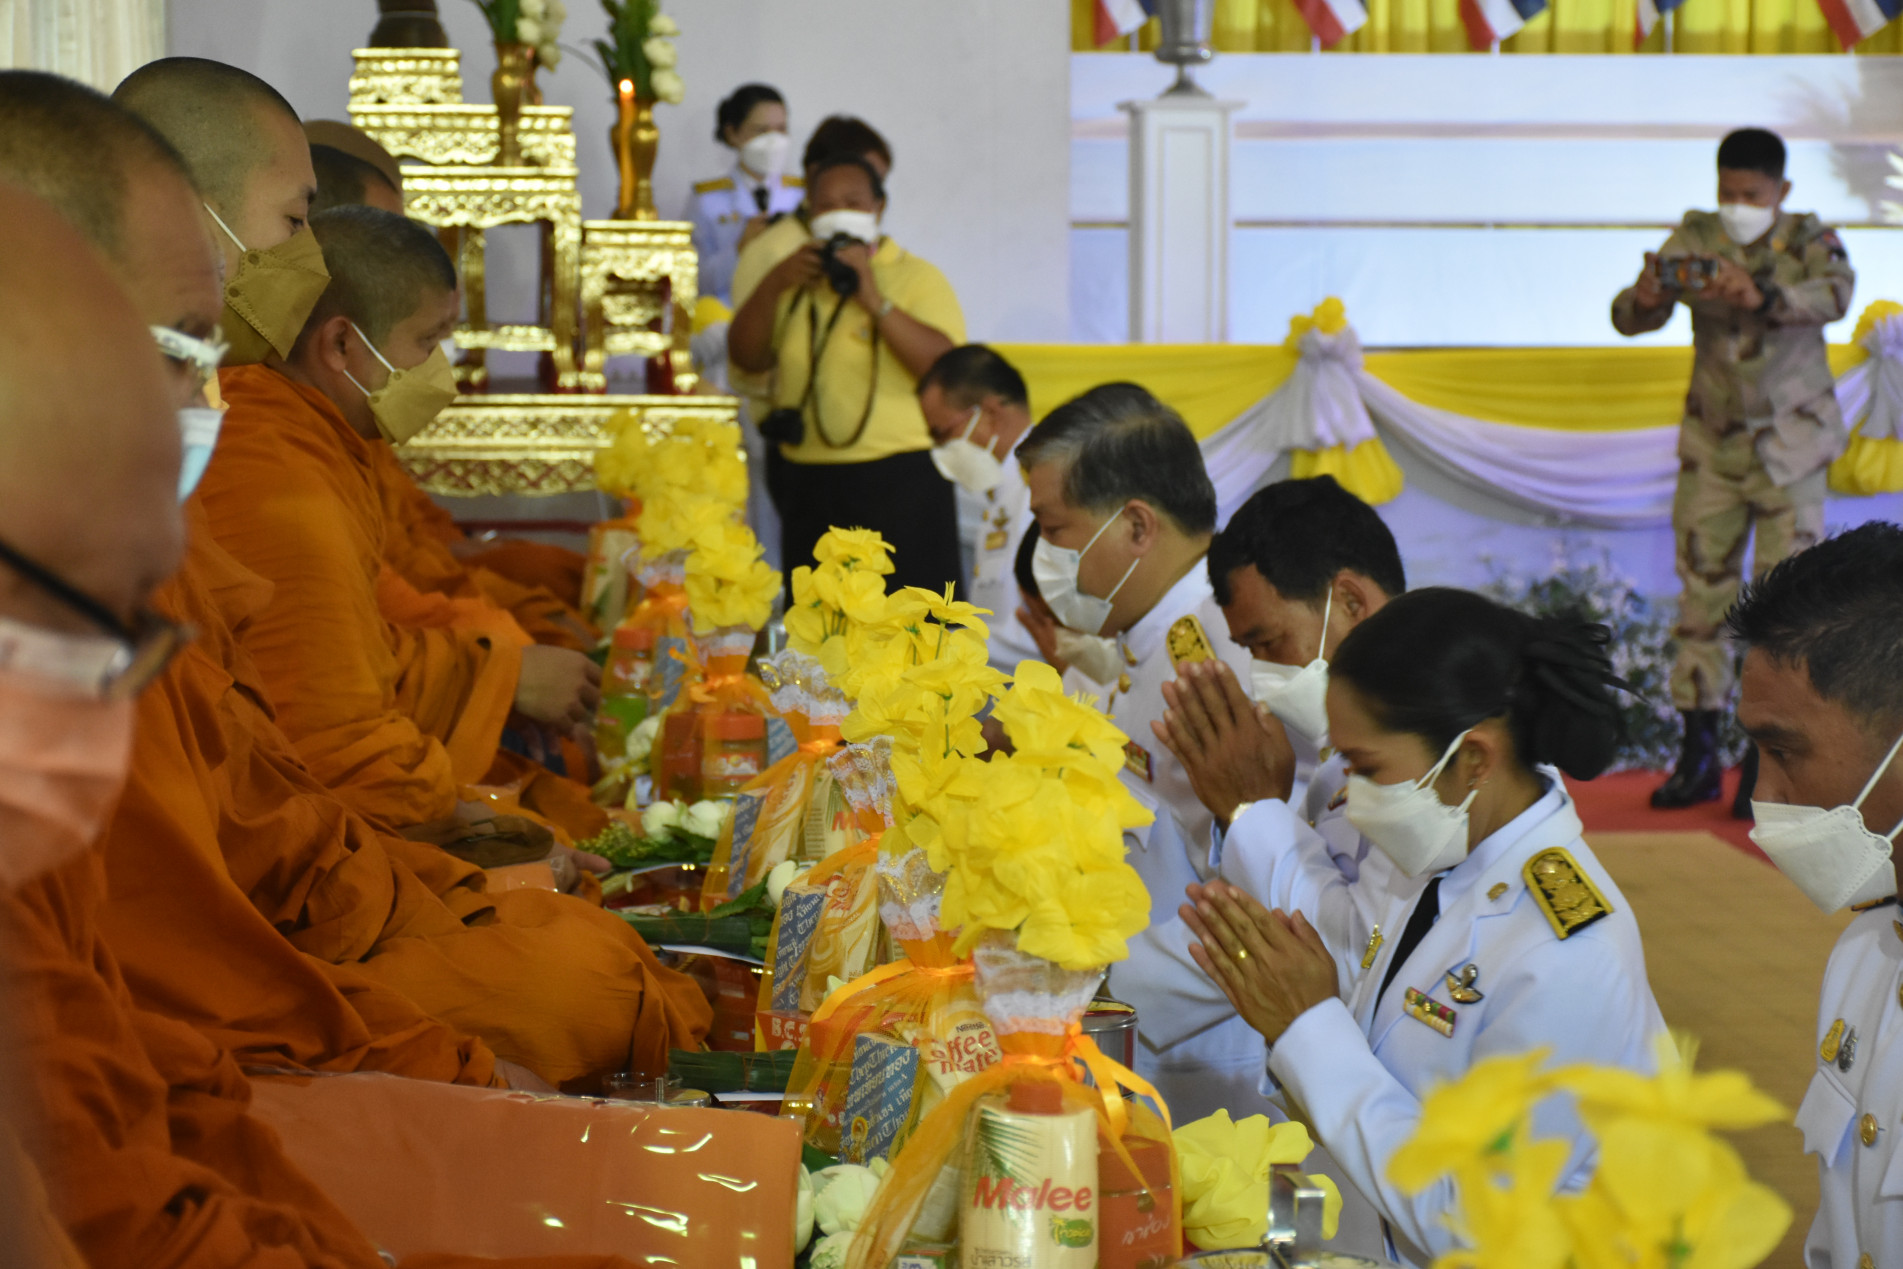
point(848, 323)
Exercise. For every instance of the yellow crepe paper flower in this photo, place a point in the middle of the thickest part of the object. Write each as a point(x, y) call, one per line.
point(832, 599)
point(1225, 1178)
point(1472, 1119)
point(678, 519)
point(728, 583)
point(643, 460)
point(1511, 1222)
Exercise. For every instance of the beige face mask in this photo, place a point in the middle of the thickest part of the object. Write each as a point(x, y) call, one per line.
point(268, 299)
point(409, 400)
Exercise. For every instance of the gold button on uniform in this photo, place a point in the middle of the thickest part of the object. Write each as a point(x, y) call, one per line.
point(1867, 1130)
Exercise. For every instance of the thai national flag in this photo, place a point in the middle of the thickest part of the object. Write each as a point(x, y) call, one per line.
point(1120, 17)
point(1490, 20)
point(1332, 21)
point(1650, 11)
point(1857, 20)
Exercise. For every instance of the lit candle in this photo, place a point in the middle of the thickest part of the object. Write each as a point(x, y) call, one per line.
point(624, 158)
point(627, 100)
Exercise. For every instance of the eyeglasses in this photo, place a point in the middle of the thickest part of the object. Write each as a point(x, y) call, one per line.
point(188, 352)
point(145, 646)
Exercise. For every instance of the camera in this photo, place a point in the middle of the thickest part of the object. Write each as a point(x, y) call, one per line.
point(1686, 273)
point(842, 277)
point(783, 426)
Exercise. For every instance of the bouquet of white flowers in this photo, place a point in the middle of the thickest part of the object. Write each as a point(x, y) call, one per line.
point(535, 22)
point(640, 49)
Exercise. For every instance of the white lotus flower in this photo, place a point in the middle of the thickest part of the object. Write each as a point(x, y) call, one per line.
point(528, 30)
point(660, 53)
point(557, 11)
point(549, 55)
point(668, 87)
point(803, 1212)
point(842, 1194)
point(661, 24)
point(641, 739)
point(660, 817)
point(830, 1251)
point(784, 874)
point(531, 9)
point(706, 819)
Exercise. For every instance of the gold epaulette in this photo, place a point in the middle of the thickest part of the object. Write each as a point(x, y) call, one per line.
point(713, 186)
point(1564, 891)
point(791, 182)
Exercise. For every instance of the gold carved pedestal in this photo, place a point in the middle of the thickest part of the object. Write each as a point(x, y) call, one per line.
point(535, 445)
point(632, 273)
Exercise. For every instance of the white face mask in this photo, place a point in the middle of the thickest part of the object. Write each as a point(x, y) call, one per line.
point(1055, 570)
point(1094, 656)
point(1831, 855)
point(973, 468)
point(198, 428)
point(1298, 694)
point(854, 224)
point(1745, 223)
point(1409, 822)
point(765, 155)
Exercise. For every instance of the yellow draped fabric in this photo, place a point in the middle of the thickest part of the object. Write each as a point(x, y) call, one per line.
point(1567, 26)
point(1577, 389)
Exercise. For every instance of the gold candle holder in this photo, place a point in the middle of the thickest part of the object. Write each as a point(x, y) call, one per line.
point(635, 141)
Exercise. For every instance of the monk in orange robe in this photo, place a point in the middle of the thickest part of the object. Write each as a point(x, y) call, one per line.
point(394, 698)
point(138, 1125)
point(224, 846)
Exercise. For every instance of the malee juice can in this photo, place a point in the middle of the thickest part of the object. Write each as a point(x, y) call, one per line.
point(1030, 1195)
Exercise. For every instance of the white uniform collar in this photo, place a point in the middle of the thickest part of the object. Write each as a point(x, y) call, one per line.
point(744, 179)
point(1145, 639)
point(1500, 856)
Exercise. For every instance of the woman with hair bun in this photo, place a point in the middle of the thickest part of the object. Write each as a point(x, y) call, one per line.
point(1479, 925)
point(729, 211)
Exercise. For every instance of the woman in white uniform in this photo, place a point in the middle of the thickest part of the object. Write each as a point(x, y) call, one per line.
point(728, 211)
point(1483, 924)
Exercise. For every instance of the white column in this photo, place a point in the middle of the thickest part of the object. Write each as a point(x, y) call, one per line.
point(1179, 219)
point(99, 42)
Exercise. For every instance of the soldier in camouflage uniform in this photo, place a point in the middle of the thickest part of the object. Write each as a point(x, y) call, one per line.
point(1761, 419)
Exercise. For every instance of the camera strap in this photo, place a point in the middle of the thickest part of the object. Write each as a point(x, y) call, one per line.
point(817, 342)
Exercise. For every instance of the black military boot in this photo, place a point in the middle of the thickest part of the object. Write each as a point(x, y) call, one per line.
point(1747, 784)
point(1697, 778)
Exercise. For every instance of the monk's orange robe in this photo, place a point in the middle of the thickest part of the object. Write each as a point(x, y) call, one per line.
point(417, 545)
point(139, 1125)
point(249, 902)
point(393, 717)
point(538, 566)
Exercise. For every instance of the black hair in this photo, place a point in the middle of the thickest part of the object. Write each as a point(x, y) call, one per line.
point(1836, 610)
point(1753, 150)
point(1021, 566)
point(343, 179)
point(846, 160)
point(1299, 534)
point(74, 147)
point(733, 112)
point(1117, 443)
point(382, 266)
point(843, 134)
point(1434, 662)
point(968, 374)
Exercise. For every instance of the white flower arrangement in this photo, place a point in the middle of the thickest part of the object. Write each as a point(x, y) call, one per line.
point(640, 49)
point(534, 22)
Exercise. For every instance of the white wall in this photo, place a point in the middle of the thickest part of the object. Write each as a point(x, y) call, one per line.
point(973, 97)
point(1481, 200)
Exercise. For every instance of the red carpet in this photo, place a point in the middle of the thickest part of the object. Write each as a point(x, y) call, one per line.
point(1619, 804)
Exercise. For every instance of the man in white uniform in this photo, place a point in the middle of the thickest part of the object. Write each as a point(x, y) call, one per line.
point(977, 411)
point(1822, 696)
point(1125, 512)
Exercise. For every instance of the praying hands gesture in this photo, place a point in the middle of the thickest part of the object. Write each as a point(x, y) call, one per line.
point(1232, 750)
point(1272, 966)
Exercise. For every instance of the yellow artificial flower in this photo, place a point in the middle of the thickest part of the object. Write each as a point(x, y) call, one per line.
point(1723, 1099)
point(862, 550)
point(1225, 1167)
point(728, 583)
point(1052, 729)
point(1515, 1225)
point(1471, 1119)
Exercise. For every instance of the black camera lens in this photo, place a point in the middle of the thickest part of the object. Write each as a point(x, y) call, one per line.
point(842, 277)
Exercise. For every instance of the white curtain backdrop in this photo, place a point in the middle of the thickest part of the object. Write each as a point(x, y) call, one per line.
point(1608, 480)
point(98, 42)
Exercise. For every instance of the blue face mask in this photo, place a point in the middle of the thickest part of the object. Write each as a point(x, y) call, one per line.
point(198, 428)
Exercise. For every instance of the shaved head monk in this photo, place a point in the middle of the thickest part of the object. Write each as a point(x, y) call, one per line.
point(461, 674)
point(223, 845)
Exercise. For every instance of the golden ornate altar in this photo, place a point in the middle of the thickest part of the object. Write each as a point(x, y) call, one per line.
point(608, 287)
